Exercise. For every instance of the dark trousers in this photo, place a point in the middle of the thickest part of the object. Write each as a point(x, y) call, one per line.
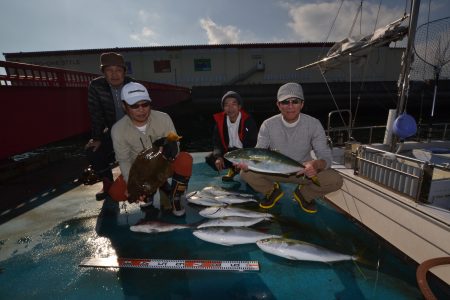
point(103, 159)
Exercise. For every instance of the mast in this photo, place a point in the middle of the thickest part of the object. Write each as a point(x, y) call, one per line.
point(406, 63)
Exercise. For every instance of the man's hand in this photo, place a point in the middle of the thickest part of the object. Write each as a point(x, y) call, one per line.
point(93, 144)
point(220, 164)
point(310, 171)
point(241, 166)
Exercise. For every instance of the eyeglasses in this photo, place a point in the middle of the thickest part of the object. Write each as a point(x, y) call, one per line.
point(291, 101)
point(137, 105)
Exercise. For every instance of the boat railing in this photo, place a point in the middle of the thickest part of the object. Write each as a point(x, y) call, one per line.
point(403, 174)
point(20, 74)
point(339, 136)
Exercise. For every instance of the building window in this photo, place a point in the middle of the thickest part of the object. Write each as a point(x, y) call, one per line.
point(203, 64)
point(129, 67)
point(162, 66)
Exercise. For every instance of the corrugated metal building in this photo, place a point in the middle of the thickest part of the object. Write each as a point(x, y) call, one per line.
point(216, 65)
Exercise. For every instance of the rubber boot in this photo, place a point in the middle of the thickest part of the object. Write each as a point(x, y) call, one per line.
point(178, 189)
point(165, 202)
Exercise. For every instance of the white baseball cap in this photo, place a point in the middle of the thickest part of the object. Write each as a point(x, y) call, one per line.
point(134, 92)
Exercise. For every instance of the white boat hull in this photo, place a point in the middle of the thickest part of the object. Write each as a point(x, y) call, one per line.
point(419, 231)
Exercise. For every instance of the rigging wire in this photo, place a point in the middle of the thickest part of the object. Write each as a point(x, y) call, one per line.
point(355, 19)
point(331, 29)
point(426, 38)
point(332, 96)
point(361, 88)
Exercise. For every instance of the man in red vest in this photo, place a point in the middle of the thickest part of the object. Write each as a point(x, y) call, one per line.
point(234, 128)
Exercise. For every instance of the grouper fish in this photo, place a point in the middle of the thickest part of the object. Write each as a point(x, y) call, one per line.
point(156, 227)
point(299, 250)
point(149, 171)
point(229, 236)
point(266, 161)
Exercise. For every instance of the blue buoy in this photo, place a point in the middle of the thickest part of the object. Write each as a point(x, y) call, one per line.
point(404, 126)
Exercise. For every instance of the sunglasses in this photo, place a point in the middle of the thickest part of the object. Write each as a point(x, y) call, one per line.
point(292, 101)
point(143, 105)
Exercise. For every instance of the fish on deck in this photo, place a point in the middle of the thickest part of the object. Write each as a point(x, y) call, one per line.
point(300, 250)
point(149, 171)
point(220, 212)
point(218, 191)
point(266, 161)
point(233, 221)
point(199, 198)
point(207, 199)
point(229, 236)
point(157, 227)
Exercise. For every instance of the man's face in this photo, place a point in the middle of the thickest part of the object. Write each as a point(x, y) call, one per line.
point(231, 108)
point(290, 109)
point(138, 112)
point(115, 75)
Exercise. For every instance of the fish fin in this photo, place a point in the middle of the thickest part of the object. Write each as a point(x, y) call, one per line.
point(173, 137)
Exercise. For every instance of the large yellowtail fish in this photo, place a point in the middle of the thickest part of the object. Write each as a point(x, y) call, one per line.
point(266, 161)
point(299, 250)
point(232, 222)
point(215, 212)
point(229, 236)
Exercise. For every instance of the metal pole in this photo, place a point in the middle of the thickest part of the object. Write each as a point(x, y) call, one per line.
point(406, 65)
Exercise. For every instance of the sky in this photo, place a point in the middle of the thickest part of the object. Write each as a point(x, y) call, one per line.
point(52, 25)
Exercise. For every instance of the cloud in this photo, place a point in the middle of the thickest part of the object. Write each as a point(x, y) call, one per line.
point(144, 36)
point(220, 34)
point(312, 22)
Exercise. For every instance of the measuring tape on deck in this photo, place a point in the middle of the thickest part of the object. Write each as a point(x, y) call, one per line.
point(173, 264)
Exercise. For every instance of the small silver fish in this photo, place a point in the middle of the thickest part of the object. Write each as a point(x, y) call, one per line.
point(220, 212)
point(229, 236)
point(299, 250)
point(232, 222)
point(156, 227)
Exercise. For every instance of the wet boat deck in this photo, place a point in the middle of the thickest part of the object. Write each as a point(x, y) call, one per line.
point(41, 249)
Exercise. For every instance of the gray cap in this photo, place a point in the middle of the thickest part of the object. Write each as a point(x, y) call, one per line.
point(290, 90)
point(231, 94)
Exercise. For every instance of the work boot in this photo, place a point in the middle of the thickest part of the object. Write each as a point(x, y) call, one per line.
point(178, 189)
point(104, 192)
point(309, 207)
point(230, 175)
point(272, 197)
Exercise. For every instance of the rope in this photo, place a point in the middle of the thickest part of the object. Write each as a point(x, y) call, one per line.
point(421, 275)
